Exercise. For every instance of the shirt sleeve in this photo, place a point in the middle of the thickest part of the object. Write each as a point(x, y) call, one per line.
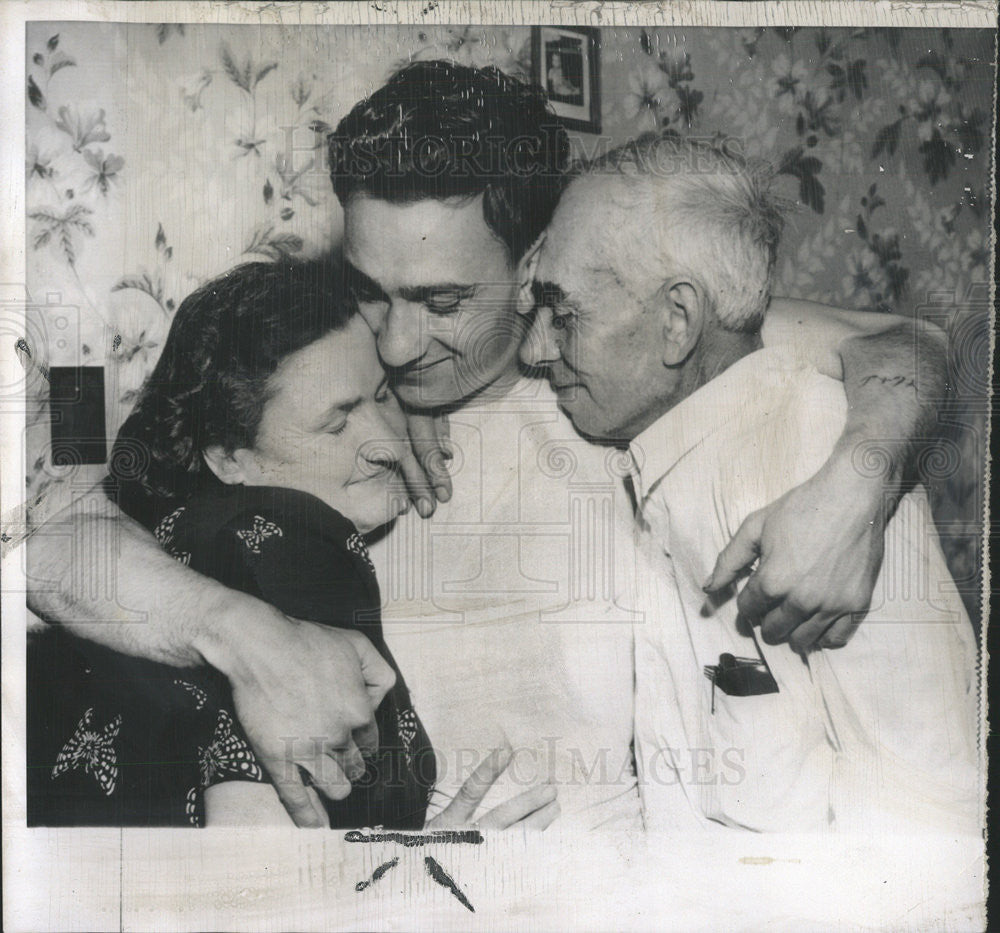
point(791, 436)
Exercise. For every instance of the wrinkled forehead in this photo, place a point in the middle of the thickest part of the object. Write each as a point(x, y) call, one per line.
point(573, 234)
point(589, 239)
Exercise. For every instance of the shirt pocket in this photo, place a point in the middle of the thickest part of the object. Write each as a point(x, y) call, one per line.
point(774, 762)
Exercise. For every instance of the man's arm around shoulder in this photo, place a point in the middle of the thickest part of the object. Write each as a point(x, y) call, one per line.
point(302, 691)
point(814, 579)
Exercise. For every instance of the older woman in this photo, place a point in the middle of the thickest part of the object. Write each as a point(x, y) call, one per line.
point(266, 444)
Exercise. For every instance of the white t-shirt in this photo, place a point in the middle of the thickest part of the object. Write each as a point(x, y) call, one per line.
point(878, 735)
point(503, 609)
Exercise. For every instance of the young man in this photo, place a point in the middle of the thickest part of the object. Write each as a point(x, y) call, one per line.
point(447, 175)
point(652, 288)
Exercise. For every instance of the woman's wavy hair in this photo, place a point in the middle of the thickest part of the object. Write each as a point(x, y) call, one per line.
point(212, 380)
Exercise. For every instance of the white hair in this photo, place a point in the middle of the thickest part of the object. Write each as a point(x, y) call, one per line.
point(690, 206)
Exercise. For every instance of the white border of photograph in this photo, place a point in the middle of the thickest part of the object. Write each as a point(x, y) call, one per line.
point(103, 879)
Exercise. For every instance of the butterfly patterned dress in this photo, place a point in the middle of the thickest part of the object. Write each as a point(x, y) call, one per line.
point(120, 741)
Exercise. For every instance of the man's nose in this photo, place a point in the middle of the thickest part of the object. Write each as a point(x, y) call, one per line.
point(402, 338)
point(540, 346)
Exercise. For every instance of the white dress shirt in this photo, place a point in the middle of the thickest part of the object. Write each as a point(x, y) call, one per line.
point(878, 735)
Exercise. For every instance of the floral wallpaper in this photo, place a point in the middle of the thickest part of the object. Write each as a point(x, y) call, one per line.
point(159, 155)
point(882, 134)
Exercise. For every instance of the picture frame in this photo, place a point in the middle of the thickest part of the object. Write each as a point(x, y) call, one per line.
point(565, 62)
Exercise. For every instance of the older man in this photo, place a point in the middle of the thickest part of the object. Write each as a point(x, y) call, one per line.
point(652, 284)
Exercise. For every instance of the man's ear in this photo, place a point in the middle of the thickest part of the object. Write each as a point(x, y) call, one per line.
point(228, 467)
point(526, 275)
point(682, 306)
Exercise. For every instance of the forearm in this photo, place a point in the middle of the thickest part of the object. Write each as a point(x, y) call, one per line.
point(894, 374)
point(103, 577)
point(894, 382)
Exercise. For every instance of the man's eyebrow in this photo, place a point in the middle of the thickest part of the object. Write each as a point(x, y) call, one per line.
point(342, 408)
point(547, 294)
point(414, 293)
point(357, 278)
point(421, 293)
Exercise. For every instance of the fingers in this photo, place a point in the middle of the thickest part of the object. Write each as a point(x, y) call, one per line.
point(808, 636)
point(417, 484)
point(428, 436)
point(736, 556)
point(754, 602)
point(379, 677)
point(434, 457)
point(442, 476)
point(806, 631)
point(329, 771)
point(367, 739)
point(842, 631)
point(520, 808)
point(348, 762)
point(536, 808)
point(475, 787)
point(303, 807)
point(778, 623)
point(544, 817)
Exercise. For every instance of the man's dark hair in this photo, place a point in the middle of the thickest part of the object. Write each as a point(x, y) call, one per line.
point(440, 130)
point(211, 382)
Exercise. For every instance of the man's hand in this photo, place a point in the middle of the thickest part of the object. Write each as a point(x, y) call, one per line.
point(536, 808)
point(306, 696)
point(820, 545)
point(424, 468)
point(820, 550)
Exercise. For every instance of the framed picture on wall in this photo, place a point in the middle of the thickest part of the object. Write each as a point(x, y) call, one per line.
point(566, 62)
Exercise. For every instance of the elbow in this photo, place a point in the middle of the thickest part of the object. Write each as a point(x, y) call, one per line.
point(923, 345)
point(934, 337)
point(932, 357)
point(54, 558)
point(48, 570)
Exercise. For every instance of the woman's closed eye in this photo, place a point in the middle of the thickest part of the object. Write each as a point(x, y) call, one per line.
point(338, 428)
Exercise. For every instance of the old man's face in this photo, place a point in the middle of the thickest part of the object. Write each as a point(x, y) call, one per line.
point(597, 330)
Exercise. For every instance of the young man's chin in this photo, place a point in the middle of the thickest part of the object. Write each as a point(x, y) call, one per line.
point(424, 398)
point(428, 394)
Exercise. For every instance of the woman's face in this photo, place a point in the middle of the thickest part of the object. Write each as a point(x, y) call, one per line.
point(333, 429)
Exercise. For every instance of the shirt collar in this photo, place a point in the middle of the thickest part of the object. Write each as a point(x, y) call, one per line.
point(658, 449)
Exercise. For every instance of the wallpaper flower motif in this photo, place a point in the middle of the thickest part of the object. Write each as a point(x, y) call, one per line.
point(834, 111)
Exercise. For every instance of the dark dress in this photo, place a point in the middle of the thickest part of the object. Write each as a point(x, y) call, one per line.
point(114, 740)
